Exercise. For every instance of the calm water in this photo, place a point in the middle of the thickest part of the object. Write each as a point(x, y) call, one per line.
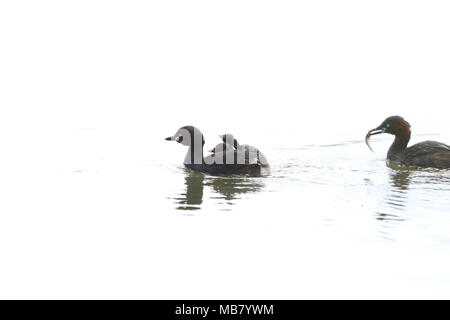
point(341, 183)
point(336, 207)
point(331, 221)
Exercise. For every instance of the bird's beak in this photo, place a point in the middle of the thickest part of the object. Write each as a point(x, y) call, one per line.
point(372, 133)
point(211, 150)
point(170, 138)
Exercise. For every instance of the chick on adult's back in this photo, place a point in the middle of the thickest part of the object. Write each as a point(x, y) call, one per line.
point(227, 162)
point(248, 150)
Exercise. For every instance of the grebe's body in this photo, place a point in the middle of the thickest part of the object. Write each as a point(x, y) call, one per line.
point(427, 154)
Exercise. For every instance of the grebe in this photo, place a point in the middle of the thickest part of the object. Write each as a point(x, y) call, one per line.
point(427, 154)
point(236, 162)
point(221, 147)
point(229, 139)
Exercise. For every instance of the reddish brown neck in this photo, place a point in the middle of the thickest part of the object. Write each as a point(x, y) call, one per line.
point(399, 145)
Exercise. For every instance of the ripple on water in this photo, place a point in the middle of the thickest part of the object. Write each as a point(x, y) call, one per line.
point(340, 182)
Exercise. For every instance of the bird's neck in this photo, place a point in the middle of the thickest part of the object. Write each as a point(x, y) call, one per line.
point(194, 155)
point(399, 145)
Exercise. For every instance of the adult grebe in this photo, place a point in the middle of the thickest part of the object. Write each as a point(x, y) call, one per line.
point(427, 154)
point(226, 162)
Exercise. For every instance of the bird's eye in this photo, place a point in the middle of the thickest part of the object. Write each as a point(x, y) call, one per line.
point(388, 125)
point(179, 139)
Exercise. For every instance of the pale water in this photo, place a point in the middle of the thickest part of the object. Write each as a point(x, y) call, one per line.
point(332, 220)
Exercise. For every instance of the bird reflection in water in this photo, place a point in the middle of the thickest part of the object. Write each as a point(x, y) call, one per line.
point(225, 189)
point(228, 189)
point(397, 197)
point(193, 197)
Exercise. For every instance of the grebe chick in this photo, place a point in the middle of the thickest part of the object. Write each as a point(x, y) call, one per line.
point(427, 154)
point(229, 139)
point(221, 147)
point(224, 150)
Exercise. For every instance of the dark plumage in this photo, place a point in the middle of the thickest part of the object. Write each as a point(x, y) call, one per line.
point(230, 140)
point(221, 147)
point(427, 154)
point(226, 162)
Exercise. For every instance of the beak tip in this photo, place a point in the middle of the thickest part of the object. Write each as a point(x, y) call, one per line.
point(168, 139)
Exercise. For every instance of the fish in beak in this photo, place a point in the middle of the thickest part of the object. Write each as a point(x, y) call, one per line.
point(373, 132)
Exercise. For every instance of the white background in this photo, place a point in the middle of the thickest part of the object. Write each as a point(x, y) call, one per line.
point(135, 71)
